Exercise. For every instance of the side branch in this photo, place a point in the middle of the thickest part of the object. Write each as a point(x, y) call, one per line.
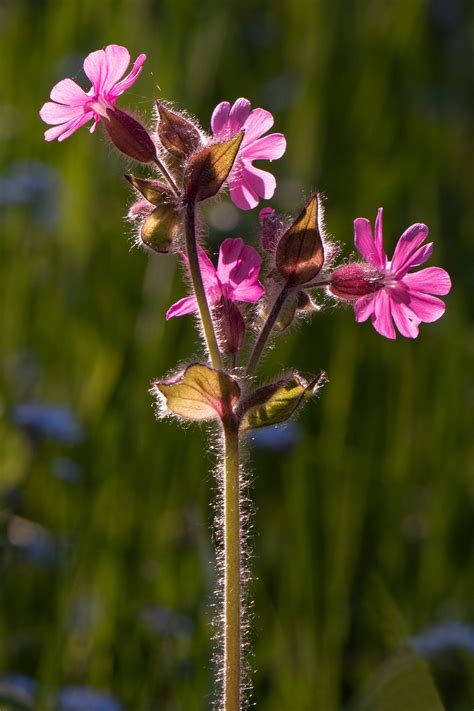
point(262, 339)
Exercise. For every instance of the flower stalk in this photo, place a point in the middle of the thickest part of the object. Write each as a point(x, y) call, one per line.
point(261, 342)
point(232, 612)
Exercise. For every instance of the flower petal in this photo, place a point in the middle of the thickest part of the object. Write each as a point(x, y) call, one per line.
point(261, 182)
point(432, 280)
point(365, 244)
point(219, 117)
point(69, 93)
point(382, 257)
point(258, 123)
point(364, 307)
point(381, 318)
point(95, 67)
point(426, 307)
point(67, 129)
point(242, 195)
point(117, 59)
point(130, 79)
point(422, 255)
point(405, 320)
point(269, 147)
point(406, 249)
point(185, 306)
point(58, 113)
point(239, 113)
point(238, 269)
point(208, 271)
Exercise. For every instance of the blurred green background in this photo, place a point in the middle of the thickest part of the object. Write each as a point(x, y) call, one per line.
point(362, 530)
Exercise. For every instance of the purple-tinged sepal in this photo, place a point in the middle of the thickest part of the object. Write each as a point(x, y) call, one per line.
point(129, 136)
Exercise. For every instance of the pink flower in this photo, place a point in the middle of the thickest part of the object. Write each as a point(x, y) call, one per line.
point(401, 295)
point(248, 184)
point(72, 107)
point(236, 277)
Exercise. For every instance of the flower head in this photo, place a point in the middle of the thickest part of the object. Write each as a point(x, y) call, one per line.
point(235, 279)
point(71, 107)
point(395, 294)
point(248, 184)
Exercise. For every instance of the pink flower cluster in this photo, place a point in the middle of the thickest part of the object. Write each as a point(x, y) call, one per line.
point(71, 107)
point(247, 184)
point(392, 293)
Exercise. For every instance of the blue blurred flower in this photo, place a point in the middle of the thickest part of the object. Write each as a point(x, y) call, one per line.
point(49, 421)
point(82, 698)
point(67, 470)
point(33, 540)
point(280, 438)
point(20, 684)
point(441, 638)
point(33, 185)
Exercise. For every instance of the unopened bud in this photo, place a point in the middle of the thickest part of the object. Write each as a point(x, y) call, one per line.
point(231, 326)
point(270, 225)
point(129, 136)
point(161, 228)
point(353, 281)
point(154, 191)
point(177, 134)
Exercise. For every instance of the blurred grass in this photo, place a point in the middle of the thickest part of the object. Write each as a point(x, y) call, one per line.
point(376, 102)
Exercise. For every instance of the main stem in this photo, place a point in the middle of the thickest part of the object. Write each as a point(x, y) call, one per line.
point(198, 286)
point(261, 341)
point(232, 571)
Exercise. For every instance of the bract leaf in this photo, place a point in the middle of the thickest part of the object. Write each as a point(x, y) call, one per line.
point(199, 393)
point(209, 168)
point(177, 135)
point(277, 402)
point(154, 191)
point(161, 228)
point(300, 253)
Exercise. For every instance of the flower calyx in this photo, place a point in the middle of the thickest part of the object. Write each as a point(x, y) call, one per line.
point(163, 221)
point(351, 281)
point(299, 254)
point(129, 136)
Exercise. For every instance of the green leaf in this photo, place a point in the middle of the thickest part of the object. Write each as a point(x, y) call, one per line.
point(300, 253)
point(154, 191)
point(160, 228)
point(277, 402)
point(209, 168)
point(177, 135)
point(199, 393)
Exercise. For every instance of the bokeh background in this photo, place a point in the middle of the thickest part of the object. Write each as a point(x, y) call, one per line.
point(362, 573)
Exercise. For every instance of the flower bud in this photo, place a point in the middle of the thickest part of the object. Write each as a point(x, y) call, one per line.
point(353, 281)
point(231, 326)
point(177, 134)
point(161, 228)
point(129, 136)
